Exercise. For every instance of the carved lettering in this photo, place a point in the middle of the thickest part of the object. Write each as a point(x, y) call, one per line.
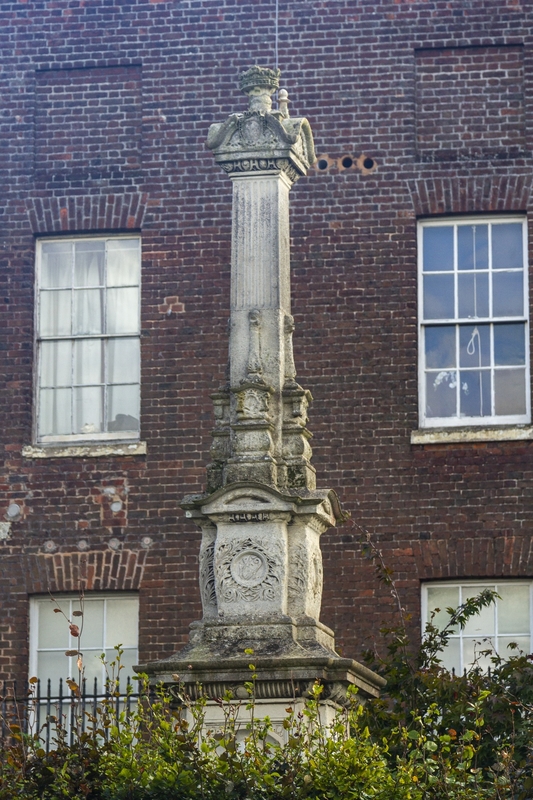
point(249, 516)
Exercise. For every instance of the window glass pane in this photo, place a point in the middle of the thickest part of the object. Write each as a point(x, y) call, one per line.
point(509, 344)
point(53, 628)
point(511, 612)
point(474, 345)
point(482, 624)
point(441, 394)
point(438, 297)
point(438, 248)
point(54, 665)
point(56, 366)
point(123, 408)
point(94, 668)
point(473, 292)
point(54, 411)
point(475, 397)
point(123, 262)
point(507, 294)
point(473, 247)
point(505, 651)
point(99, 615)
point(123, 360)
point(55, 313)
point(123, 311)
point(510, 391)
point(88, 410)
point(440, 346)
point(513, 609)
point(507, 246)
point(122, 622)
point(442, 597)
point(56, 264)
point(89, 263)
point(89, 361)
point(475, 651)
point(93, 624)
point(451, 657)
point(88, 311)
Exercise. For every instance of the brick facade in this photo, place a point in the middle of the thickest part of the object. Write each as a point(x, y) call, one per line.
point(419, 108)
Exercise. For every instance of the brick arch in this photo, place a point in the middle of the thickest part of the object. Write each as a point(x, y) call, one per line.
point(470, 195)
point(98, 570)
point(459, 558)
point(86, 212)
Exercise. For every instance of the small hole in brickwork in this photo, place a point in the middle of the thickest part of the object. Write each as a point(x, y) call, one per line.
point(347, 162)
point(322, 164)
point(368, 163)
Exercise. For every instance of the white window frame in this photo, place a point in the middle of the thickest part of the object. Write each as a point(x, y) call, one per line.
point(474, 587)
point(66, 602)
point(466, 421)
point(85, 437)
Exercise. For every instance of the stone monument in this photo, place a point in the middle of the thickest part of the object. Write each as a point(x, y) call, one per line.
point(262, 515)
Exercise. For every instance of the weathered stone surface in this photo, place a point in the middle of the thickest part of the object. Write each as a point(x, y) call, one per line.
point(262, 516)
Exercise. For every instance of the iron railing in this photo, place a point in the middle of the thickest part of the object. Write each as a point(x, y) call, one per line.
point(29, 710)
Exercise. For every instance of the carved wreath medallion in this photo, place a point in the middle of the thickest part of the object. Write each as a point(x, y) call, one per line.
point(248, 570)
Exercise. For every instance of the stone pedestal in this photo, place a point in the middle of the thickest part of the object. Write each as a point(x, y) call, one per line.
point(262, 516)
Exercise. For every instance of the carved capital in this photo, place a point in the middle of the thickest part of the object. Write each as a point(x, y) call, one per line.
point(260, 139)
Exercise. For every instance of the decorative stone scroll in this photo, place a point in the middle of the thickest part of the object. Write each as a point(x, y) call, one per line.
point(207, 572)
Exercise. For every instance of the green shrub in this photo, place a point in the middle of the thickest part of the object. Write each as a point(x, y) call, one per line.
point(157, 753)
point(432, 735)
point(486, 715)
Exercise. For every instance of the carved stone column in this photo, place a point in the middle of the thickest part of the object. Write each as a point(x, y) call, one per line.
point(262, 516)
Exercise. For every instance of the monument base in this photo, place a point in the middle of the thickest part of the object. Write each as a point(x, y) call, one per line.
point(219, 658)
point(261, 585)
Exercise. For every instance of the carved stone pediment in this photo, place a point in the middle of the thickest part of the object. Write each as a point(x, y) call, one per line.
point(244, 502)
point(253, 135)
point(263, 140)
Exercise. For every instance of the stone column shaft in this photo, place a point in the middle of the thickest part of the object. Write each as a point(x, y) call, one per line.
point(260, 280)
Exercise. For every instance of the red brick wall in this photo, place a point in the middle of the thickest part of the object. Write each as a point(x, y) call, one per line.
point(159, 73)
point(469, 102)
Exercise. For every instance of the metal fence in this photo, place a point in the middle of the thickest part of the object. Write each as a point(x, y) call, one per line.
point(29, 710)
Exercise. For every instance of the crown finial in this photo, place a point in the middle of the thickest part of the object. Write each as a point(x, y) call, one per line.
point(260, 83)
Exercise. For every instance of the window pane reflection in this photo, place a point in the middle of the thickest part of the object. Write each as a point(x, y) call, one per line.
point(475, 395)
point(440, 346)
point(438, 297)
point(509, 344)
point(510, 391)
point(507, 246)
point(507, 294)
point(438, 249)
point(473, 247)
point(474, 345)
point(441, 395)
point(473, 295)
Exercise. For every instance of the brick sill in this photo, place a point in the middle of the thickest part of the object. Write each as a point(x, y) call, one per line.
point(85, 450)
point(505, 433)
